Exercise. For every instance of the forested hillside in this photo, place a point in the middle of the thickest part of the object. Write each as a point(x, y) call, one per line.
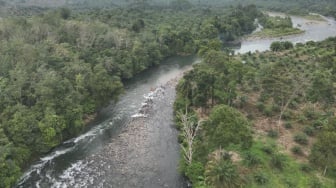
point(325, 7)
point(260, 120)
point(58, 68)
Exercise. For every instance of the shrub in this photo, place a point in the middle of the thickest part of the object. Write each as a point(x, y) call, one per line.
point(275, 108)
point(301, 138)
point(267, 149)
point(293, 104)
point(278, 161)
point(290, 182)
point(268, 111)
point(309, 113)
point(288, 114)
point(261, 178)
point(194, 171)
point(302, 118)
point(260, 106)
point(273, 133)
point(288, 125)
point(297, 150)
point(309, 131)
point(243, 100)
point(255, 88)
point(263, 97)
point(252, 159)
point(306, 168)
point(315, 183)
point(317, 123)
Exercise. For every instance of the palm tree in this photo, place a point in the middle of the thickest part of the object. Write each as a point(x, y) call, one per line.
point(220, 172)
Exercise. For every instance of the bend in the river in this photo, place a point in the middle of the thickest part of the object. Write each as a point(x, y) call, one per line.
point(314, 31)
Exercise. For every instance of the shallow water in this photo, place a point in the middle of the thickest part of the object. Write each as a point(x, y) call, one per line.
point(314, 31)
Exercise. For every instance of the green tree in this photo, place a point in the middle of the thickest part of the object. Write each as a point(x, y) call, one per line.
point(103, 87)
point(279, 46)
point(51, 127)
point(20, 124)
point(227, 126)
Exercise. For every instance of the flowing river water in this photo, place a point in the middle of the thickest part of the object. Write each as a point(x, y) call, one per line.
point(314, 31)
point(133, 143)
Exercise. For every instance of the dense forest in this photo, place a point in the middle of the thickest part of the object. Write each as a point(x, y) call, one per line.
point(302, 7)
point(58, 68)
point(261, 119)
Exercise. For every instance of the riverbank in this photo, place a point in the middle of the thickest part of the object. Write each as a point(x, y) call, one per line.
point(314, 31)
point(273, 33)
point(144, 154)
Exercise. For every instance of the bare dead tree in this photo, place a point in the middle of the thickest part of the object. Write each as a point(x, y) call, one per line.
point(189, 132)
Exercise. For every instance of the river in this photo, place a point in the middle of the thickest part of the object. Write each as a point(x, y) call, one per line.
point(314, 31)
point(133, 143)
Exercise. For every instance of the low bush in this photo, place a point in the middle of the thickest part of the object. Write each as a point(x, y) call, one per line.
point(301, 138)
point(273, 133)
point(268, 149)
point(315, 183)
point(268, 111)
point(288, 125)
point(297, 150)
point(261, 106)
point(261, 178)
point(306, 168)
point(194, 171)
point(310, 131)
point(252, 159)
point(278, 161)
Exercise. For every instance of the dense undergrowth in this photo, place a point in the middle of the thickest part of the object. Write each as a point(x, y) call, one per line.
point(284, 99)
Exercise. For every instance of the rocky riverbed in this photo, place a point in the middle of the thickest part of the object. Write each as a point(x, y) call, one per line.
point(141, 156)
